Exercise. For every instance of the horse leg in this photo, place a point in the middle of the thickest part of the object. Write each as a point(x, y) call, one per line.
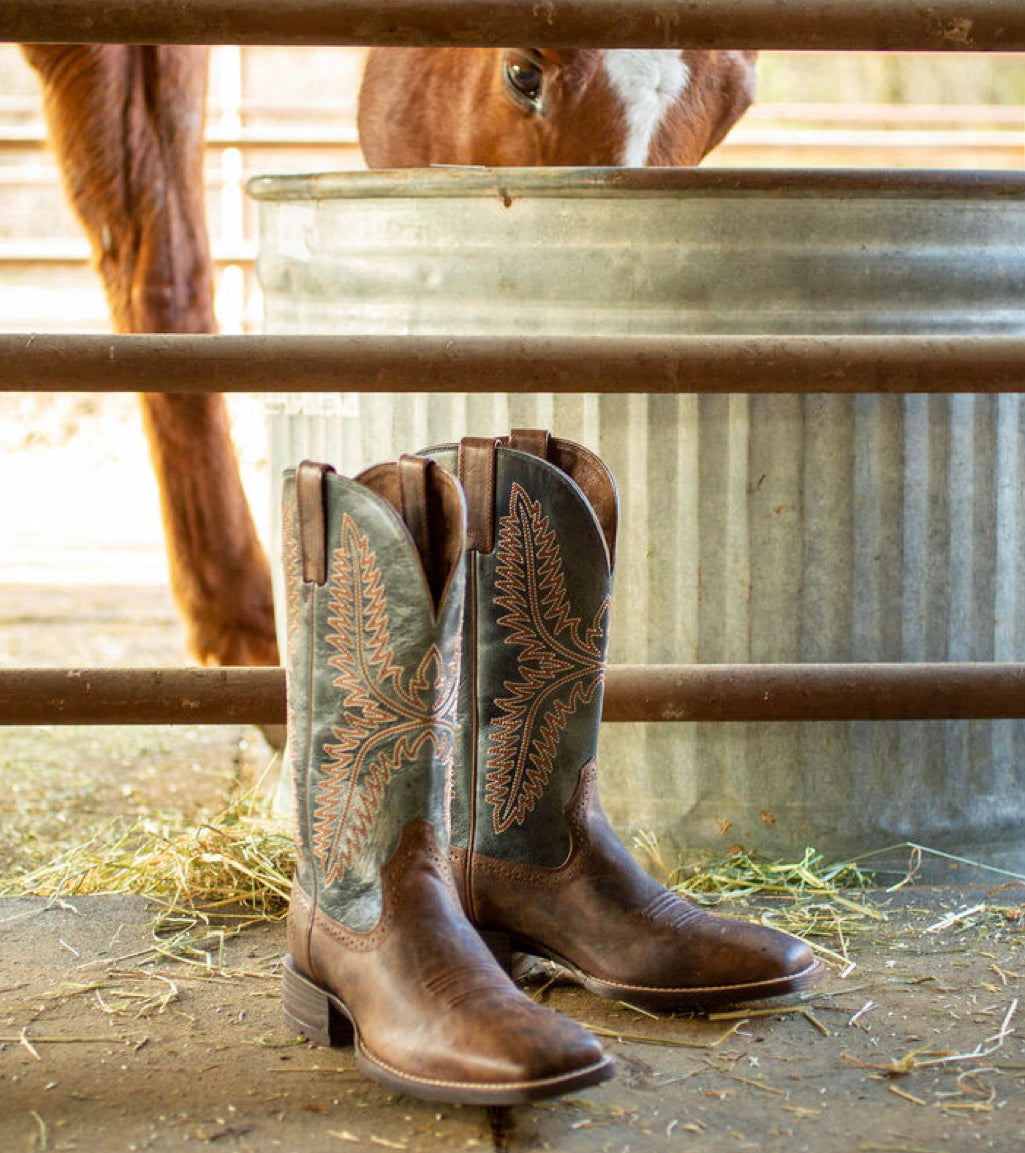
point(127, 126)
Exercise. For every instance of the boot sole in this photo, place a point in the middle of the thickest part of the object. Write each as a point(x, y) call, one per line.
point(663, 1000)
point(323, 1018)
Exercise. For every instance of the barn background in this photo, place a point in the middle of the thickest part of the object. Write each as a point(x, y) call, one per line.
point(82, 582)
point(82, 571)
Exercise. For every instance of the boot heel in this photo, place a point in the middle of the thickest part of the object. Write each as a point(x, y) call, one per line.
point(500, 946)
point(312, 1011)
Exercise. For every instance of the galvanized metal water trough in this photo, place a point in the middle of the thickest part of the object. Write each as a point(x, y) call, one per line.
point(756, 528)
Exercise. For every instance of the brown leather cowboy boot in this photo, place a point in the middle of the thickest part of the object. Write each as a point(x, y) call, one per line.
point(381, 953)
point(533, 853)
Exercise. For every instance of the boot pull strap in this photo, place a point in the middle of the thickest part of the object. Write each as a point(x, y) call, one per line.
point(413, 493)
point(476, 469)
point(532, 440)
point(309, 490)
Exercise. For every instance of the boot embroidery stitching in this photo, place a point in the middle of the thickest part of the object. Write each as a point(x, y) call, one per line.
point(388, 719)
point(520, 873)
point(669, 911)
point(558, 669)
point(411, 851)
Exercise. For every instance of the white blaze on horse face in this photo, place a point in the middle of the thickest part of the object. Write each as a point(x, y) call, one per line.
point(649, 82)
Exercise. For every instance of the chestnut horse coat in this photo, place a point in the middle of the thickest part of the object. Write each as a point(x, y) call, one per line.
point(126, 123)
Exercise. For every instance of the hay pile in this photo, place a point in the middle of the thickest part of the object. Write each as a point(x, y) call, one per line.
point(241, 857)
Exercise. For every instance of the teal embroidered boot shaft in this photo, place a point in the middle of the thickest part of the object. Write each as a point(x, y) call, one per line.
point(534, 856)
point(381, 954)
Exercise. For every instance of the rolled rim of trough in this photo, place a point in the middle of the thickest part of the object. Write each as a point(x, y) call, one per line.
point(885, 25)
point(505, 183)
point(792, 692)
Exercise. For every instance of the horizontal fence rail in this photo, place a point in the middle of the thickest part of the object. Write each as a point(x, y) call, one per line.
point(944, 25)
point(520, 364)
point(791, 692)
point(848, 692)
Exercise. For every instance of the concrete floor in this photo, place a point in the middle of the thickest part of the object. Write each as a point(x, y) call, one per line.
point(111, 1039)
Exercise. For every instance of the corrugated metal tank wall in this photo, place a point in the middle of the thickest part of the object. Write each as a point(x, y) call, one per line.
point(754, 528)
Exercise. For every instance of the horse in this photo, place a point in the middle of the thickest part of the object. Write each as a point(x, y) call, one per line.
point(127, 126)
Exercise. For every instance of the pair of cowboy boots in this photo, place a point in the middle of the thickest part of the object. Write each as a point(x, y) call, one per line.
point(447, 632)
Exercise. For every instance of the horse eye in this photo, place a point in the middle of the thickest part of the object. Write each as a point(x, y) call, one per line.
point(525, 78)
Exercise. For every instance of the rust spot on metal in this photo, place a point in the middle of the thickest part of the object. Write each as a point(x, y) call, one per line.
point(959, 31)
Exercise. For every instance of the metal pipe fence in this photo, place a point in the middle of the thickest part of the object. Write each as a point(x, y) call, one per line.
point(720, 693)
point(60, 362)
point(671, 364)
point(889, 25)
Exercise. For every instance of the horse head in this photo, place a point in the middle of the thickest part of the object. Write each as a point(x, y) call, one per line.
point(532, 106)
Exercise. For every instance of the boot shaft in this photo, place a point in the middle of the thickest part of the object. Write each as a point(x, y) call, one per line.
point(541, 525)
point(374, 596)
